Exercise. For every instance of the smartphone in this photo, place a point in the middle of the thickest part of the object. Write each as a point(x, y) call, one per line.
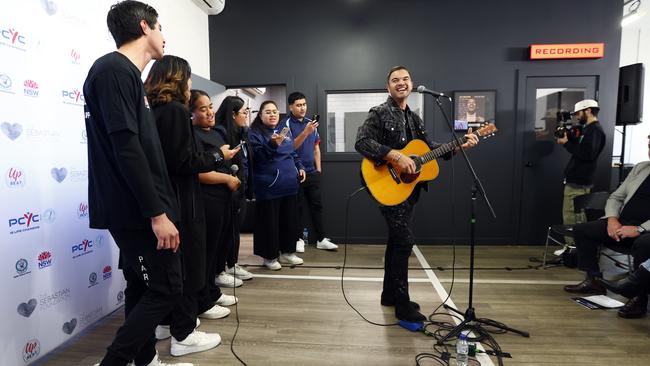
point(315, 118)
point(240, 145)
point(284, 132)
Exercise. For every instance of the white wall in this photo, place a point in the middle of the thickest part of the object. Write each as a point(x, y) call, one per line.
point(635, 47)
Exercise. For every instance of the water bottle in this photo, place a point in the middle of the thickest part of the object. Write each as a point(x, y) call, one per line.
point(462, 350)
point(305, 235)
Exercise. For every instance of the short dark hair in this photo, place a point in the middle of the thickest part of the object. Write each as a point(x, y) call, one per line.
point(124, 18)
point(396, 68)
point(295, 96)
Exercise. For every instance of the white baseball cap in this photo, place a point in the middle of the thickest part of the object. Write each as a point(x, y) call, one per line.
point(584, 104)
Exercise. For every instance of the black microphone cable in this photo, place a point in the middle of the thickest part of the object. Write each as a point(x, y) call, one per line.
point(235, 232)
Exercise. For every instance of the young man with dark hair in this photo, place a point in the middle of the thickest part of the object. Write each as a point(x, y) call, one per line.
point(129, 190)
point(306, 142)
point(388, 128)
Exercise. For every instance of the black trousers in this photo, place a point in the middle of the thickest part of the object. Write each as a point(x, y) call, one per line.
point(398, 249)
point(154, 287)
point(239, 212)
point(589, 236)
point(275, 226)
point(309, 196)
point(218, 220)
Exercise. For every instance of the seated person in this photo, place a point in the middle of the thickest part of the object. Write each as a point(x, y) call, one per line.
point(636, 284)
point(627, 218)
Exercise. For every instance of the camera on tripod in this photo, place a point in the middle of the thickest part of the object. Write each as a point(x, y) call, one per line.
point(565, 126)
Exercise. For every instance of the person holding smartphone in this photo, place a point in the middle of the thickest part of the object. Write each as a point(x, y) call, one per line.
point(306, 142)
point(277, 173)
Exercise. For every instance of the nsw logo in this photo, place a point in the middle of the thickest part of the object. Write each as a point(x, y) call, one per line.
point(31, 350)
point(31, 88)
point(74, 97)
point(107, 272)
point(44, 260)
point(83, 248)
point(15, 178)
point(82, 210)
point(29, 221)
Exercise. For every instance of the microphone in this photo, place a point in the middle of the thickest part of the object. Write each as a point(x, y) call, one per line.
point(423, 90)
point(234, 169)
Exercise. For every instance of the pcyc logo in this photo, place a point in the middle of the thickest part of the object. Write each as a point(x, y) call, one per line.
point(29, 221)
point(15, 178)
point(83, 248)
point(12, 38)
point(44, 260)
point(74, 97)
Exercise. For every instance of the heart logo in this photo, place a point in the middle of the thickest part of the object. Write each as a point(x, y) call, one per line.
point(27, 308)
point(68, 327)
point(12, 131)
point(59, 174)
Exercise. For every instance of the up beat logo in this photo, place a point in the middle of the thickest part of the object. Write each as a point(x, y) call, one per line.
point(92, 279)
point(83, 248)
point(73, 97)
point(29, 221)
point(107, 272)
point(13, 38)
point(44, 260)
point(12, 131)
point(31, 350)
point(31, 88)
point(82, 210)
point(5, 84)
point(22, 268)
point(75, 56)
point(15, 177)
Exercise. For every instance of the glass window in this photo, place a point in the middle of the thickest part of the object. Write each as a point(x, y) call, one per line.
point(553, 105)
point(346, 111)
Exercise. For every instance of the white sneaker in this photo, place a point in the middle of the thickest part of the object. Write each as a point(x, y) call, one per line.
point(215, 312)
point(197, 341)
point(239, 272)
point(272, 264)
point(156, 362)
point(326, 244)
point(290, 258)
point(163, 332)
point(227, 300)
point(300, 246)
point(226, 280)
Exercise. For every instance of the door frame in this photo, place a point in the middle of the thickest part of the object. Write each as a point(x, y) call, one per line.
point(521, 76)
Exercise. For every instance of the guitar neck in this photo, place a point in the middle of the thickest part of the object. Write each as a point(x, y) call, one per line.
point(442, 150)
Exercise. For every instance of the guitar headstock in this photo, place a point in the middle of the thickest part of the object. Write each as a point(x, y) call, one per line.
point(487, 130)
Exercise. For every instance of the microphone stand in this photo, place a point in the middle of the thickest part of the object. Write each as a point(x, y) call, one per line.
point(469, 317)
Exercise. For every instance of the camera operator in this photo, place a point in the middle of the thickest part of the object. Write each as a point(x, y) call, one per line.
point(584, 148)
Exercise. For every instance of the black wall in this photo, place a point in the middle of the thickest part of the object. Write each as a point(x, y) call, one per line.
point(315, 46)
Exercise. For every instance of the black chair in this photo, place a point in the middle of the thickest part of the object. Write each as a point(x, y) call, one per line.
point(592, 204)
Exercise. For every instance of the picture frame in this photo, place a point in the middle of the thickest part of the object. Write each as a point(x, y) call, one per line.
point(473, 108)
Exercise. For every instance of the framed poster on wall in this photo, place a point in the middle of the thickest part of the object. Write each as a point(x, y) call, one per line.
point(474, 108)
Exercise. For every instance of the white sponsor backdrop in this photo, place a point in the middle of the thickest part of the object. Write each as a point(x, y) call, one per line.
point(57, 276)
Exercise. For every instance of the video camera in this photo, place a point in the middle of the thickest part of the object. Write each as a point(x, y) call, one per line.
point(565, 125)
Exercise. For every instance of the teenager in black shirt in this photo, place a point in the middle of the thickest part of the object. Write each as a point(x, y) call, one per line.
point(129, 191)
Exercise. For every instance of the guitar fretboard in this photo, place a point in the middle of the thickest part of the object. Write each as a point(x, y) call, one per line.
point(442, 150)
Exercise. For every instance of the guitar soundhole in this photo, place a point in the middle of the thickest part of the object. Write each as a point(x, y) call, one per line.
point(409, 178)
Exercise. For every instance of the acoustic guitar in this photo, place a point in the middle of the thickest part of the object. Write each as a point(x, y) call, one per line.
point(390, 187)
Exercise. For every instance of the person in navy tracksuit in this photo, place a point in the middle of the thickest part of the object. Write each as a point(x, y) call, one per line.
point(277, 173)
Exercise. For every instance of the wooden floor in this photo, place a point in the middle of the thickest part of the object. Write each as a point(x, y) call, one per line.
point(297, 316)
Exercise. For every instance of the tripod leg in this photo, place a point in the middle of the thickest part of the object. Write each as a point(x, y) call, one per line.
point(453, 309)
point(454, 332)
point(492, 323)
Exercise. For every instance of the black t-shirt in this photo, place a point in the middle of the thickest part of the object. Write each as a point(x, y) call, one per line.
point(128, 181)
point(584, 155)
point(636, 210)
point(212, 141)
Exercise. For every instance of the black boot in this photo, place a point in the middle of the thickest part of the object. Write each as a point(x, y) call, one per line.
point(409, 313)
point(637, 283)
point(636, 307)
